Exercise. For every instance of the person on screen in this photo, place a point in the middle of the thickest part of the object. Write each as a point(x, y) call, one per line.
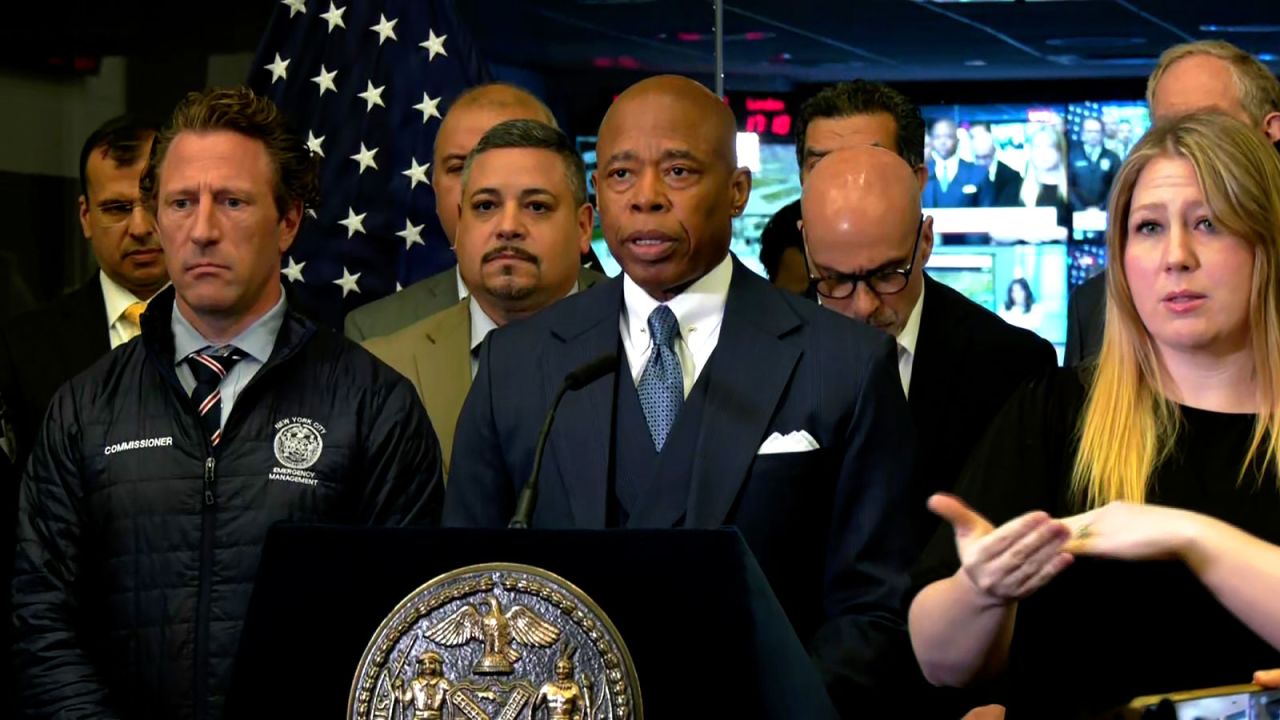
point(1005, 182)
point(1020, 308)
point(782, 250)
point(1208, 74)
point(1124, 139)
point(1044, 184)
point(953, 181)
point(867, 245)
point(1093, 168)
point(1113, 518)
point(733, 403)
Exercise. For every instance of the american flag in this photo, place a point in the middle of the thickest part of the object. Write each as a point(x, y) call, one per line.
point(366, 82)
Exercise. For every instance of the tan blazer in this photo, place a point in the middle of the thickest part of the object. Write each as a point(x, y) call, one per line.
point(435, 354)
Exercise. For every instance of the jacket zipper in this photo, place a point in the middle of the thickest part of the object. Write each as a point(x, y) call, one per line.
point(203, 599)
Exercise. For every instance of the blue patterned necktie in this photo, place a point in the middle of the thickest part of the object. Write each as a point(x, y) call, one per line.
point(661, 386)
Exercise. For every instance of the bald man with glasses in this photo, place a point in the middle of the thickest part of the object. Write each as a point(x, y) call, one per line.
point(867, 244)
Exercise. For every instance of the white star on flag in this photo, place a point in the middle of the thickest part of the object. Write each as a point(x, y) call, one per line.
point(434, 45)
point(278, 69)
point(411, 234)
point(385, 28)
point(428, 107)
point(293, 271)
point(334, 17)
point(347, 282)
point(416, 173)
point(313, 144)
point(399, 287)
point(365, 158)
point(354, 223)
point(295, 7)
point(325, 80)
point(373, 96)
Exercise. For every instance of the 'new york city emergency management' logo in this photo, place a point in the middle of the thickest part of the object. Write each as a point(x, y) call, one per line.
point(298, 444)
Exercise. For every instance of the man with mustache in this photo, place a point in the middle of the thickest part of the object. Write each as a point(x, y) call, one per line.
point(470, 117)
point(523, 224)
point(159, 470)
point(734, 402)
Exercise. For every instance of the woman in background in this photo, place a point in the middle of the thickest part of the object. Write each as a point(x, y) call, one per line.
point(1044, 184)
point(1020, 306)
point(1117, 533)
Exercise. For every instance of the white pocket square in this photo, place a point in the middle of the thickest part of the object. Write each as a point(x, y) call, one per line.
point(792, 442)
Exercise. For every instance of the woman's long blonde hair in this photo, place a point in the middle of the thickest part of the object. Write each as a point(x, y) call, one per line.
point(1129, 424)
point(1030, 190)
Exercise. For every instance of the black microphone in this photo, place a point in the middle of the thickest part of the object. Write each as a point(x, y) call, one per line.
point(574, 380)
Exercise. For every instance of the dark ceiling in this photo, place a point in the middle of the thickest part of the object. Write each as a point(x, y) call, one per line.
point(769, 43)
point(809, 41)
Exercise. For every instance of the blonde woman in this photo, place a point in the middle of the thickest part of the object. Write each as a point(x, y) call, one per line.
point(1044, 184)
point(1119, 532)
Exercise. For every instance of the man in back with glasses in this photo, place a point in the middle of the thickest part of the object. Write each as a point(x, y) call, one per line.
point(866, 246)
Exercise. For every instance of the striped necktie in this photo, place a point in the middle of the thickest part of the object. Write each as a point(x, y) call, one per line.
point(210, 369)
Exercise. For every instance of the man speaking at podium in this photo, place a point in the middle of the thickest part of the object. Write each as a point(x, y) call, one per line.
point(732, 403)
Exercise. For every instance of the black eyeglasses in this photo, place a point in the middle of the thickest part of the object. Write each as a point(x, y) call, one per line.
point(881, 282)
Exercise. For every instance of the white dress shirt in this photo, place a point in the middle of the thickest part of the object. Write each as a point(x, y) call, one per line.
point(699, 310)
point(481, 326)
point(256, 341)
point(907, 344)
point(463, 291)
point(117, 300)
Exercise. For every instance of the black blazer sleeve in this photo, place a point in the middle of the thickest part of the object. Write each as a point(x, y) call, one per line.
point(404, 473)
point(862, 648)
point(481, 490)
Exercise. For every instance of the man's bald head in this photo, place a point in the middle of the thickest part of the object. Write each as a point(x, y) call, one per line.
point(503, 96)
point(675, 95)
point(667, 183)
point(861, 214)
point(470, 116)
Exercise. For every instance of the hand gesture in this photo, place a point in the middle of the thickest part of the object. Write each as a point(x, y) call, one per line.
point(1130, 531)
point(1007, 563)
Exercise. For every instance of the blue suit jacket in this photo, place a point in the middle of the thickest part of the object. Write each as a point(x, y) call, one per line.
point(831, 528)
point(968, 177)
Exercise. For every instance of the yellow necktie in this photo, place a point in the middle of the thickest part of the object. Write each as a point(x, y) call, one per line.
point(132, 317)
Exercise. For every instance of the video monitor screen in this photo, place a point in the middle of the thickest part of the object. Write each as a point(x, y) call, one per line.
point(997, 174)
point(1023, 284)
point(1099, 137)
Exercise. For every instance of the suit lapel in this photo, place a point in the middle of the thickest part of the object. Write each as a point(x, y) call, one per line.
point(580, 438)
point(84, 329)
point(742, 395)
point(931, 359)
point(442, 363)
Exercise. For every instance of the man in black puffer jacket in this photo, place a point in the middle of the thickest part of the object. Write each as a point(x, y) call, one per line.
point(158, 471)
